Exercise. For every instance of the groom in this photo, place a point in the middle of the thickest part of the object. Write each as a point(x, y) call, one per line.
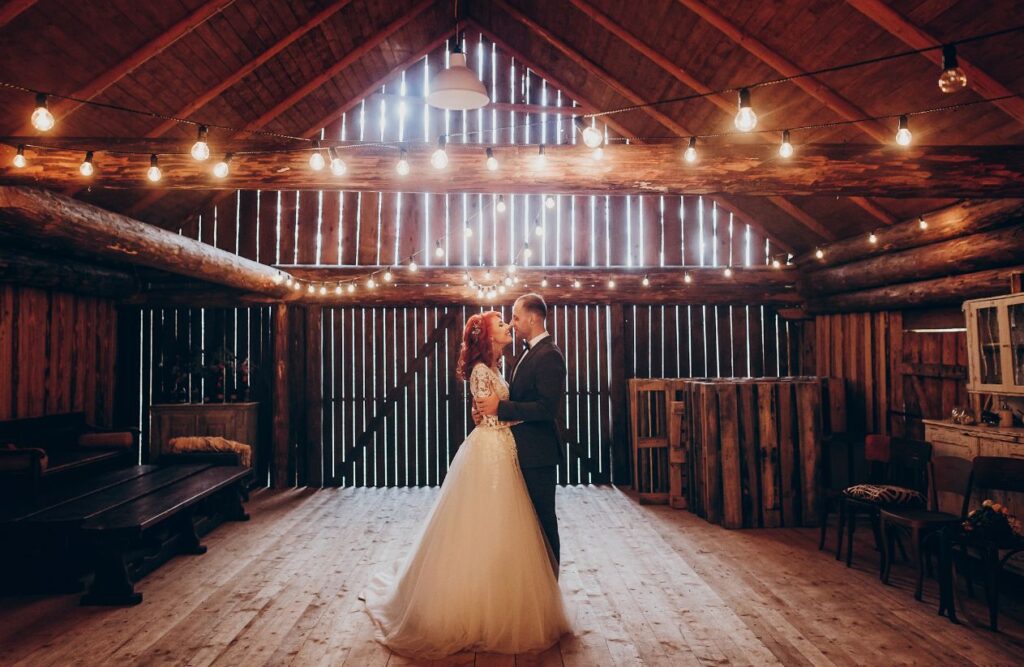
point(536, 395)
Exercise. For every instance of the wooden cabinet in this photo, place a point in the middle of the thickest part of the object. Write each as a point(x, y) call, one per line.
point(234, 421)
point(995, 345)
point(949, 439)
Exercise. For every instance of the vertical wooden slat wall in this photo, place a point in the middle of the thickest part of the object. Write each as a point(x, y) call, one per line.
point(358, 353)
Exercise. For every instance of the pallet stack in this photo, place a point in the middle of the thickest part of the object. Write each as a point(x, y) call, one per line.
point(658, 473)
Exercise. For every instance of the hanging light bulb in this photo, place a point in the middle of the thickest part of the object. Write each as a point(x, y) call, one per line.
point(746, 119)
point(311, 289)
point(278, 279)
point(323, 290)
point(544, 281)
point(592, 137)
point(576, 284)
point(351, 288)
point(468, 231)
point(872, 238)
point(549, 202)
point(542, 157)
point(153, 173)
point(316, 158)
point(42, 119)
point(412, 265)
point(201, 149)
point(439, 160)
point(508, 281)
point(289, 282)
point(922, 223)
point(611, 283)
point(728, 272)
point(403, 164)
point(952, 78)
point(86, 168)
point(598, 154)
point(487, 275)
point(479, 292)
point(492, 162)
point(785, 148)
point(819, 253)
point(527, 253)
point(690, 154)
point(371, 283)
point(221, 169)
point(903, 135)
point(19, 160)
point(500, 206)
point(337, 289)
point(776, 264)
point(457, 87)
point(338, 166)
point(646, 282)
point(388, 276)
point(296, 286)
point(438, 250)
point(687, 278)
point(537, 229)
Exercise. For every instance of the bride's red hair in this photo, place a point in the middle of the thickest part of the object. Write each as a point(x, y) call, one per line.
point(476, 343)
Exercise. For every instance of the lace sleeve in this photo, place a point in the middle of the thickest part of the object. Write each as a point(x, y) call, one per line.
point(481, 382)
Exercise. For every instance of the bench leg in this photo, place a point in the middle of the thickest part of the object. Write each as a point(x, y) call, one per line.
point(235, 508)
point(112, 585)
point(189, 537)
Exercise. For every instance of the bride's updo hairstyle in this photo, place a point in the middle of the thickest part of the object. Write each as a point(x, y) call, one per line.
point(476, 343)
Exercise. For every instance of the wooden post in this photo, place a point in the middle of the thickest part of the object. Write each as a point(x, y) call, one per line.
point(732, 488)
point(314, 404)
point(621, 473)
point(282, 418)
point(808, 401)
point(769, 435)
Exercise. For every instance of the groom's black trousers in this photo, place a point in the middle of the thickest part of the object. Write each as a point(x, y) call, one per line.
point(540, 483)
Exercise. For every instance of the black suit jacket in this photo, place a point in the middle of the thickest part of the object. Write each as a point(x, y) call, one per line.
point(536, 398)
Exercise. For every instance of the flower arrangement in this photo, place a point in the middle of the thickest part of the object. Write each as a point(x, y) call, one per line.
point(993, 521)
point(211, 374)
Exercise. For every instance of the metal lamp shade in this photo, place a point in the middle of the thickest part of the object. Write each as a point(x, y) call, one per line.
point(457, 88)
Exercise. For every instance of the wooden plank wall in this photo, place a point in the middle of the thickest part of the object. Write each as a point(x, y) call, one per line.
point(895, 375)
point(56, 354)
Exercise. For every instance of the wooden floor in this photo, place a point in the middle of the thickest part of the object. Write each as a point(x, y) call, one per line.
point(647, 585)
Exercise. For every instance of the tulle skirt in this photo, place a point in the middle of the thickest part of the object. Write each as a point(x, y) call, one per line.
point(479, 577)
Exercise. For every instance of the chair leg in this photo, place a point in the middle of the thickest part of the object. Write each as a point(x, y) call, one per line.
point(851, 526)
point(915, 538)
point(876, 528)
point(840, 527)
point(887, 540)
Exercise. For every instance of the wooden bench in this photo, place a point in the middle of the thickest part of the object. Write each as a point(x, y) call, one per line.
point(127, 522)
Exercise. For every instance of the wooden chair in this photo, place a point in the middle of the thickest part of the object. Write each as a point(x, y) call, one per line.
point(947, 475)
point(895, 464)
point(839, 451)
point(990, 473)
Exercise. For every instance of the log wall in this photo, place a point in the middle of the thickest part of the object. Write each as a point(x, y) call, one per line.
point(57, 354)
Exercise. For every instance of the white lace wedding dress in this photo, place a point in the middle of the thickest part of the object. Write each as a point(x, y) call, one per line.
point(479, 576)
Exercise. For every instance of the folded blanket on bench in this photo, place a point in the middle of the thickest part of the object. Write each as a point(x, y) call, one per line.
point(210, 444)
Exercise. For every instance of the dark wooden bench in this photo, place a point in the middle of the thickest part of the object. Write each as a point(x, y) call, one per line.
point(126, 522)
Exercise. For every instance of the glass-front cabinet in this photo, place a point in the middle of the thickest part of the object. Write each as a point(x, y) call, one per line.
point(995, 344)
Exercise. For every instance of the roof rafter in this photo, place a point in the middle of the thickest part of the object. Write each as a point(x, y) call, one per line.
point(627, 93)
point(12, 9)
point(916, 38)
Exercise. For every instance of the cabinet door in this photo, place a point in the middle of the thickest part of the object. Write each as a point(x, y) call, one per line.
point(1015, 322)
point(219, 423)
point(985, 352)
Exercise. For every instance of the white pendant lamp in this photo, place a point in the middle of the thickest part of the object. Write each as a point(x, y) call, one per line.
point(457, 88)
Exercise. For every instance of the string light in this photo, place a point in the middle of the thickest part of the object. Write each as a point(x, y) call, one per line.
point(438, 250)
point(922, 223)
point(872, 238)
point(549, 202)
point(611, 283)
point(323, 290)
point(221, 169)
point(527, 253)
point(508, 281)
point(776, 263)
point(278, 279)
point(412, 265)
point(500, 206)
point(544, 281)
point(42, 119)
point(819, 253)
point(952, 78)
point(690, 154)
point(591, 135)
point(289, 282)
point(296, 286)
point(746, 119)
point(311, 289)
point(19, 160)
point(439, 160)
point(903, 135)
point(785, 148)
point(371, 283)
point(388, 276)
point(337, 289)
point(153, 173)
point(316, 158)
point(537, 229)
point(86, 168)
point(542, 158)
point(403, 164)
point(492, 162)
point(469, 231)
point(338, 166)
point(598, 154)
point(201, 149)
point(351, 288)
point(576, 284)
point(646, 282)
point(728, 272)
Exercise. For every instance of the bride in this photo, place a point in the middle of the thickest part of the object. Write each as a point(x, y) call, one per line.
point(479, 576)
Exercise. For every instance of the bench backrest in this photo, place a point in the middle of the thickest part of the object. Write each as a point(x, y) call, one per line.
point(57, 431)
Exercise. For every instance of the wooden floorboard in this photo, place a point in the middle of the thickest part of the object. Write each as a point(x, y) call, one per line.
point(645, 585)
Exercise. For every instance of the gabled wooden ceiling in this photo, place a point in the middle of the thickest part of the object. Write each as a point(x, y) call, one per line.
point(292, 67)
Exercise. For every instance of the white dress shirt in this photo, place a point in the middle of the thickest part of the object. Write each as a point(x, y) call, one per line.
point(532, 343)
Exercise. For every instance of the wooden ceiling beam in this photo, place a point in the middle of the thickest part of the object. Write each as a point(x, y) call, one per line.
point(986, 172)
point(916, 38)
point(593, 68)
point(63, 108)
point(11, 9)
point(803, 218)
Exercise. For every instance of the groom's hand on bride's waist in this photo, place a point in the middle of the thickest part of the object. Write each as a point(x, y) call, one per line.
point(487, 405)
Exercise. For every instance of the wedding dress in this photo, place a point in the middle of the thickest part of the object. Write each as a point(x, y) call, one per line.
point(479, 576)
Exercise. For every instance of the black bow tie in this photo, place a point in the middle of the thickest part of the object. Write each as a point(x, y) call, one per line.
point(526, 344)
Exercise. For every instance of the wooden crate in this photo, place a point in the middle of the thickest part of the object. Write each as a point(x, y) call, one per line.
point(649, 402)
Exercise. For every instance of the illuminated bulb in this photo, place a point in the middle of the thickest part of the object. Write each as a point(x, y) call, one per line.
point(544, 281)
point(598, 153)
point(439, 160)
point(872, 238)
point(403, 164)
point(278, 279)
point(323, 289)
point(337, 289)
point(728, 272)
point(687, 278)
point(746, 119)
point(221, 169)
point(492, 162)
point(511, 268)
point(922, 223)
point(371, 283)
point(480, 293)
point(487, 274)
point(86, 167)
point(338, 166)
point(316, 158)
point(903, 135)
point(502, 289)
point(201, 149)
point(508, 281)
point(469, 232)
point(527, 253)
point(785, 148)
point(296, 286)
point(438, 250)
point(153, 173)
point(388, 276)
point(952, 78)
point(500, 206)
point(542, 158)
point(289, 282)
point(468, 278)
point(19, 160)
point(538, 230)
point(819, 253)
point(576, 284)
point(351, 288)
point(776, 263)
point(690, 154)
point(311, 289)
point(491, 294)
point(611, 284)
point(412, 265)
point(549, 202)
point(42, 119)
point(592, 136)
point(646, 282)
